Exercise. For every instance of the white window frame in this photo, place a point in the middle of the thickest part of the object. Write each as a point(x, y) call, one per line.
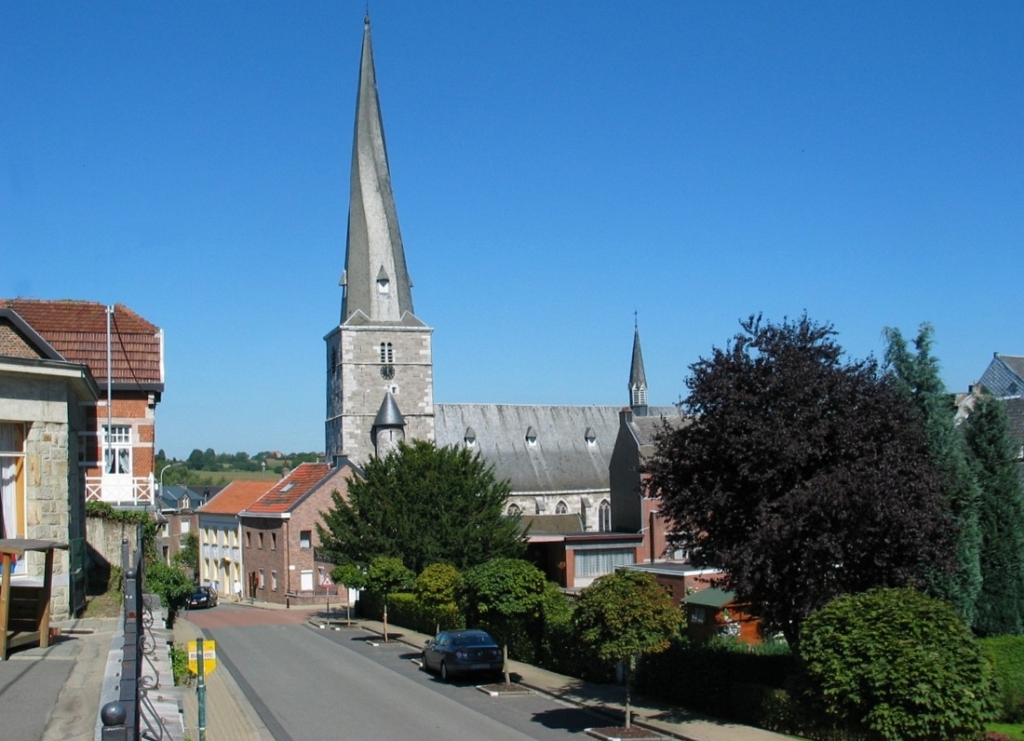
point(117, 450)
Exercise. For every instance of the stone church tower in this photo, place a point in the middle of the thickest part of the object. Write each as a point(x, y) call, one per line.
point(380, 349)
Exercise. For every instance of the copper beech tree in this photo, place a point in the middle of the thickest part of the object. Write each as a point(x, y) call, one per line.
point(802, 475)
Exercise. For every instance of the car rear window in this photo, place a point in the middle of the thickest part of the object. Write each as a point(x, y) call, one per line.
point(471, 640)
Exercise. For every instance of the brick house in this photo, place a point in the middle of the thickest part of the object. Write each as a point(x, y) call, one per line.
point(221, 561)
point(279, 535)
point(116, 447)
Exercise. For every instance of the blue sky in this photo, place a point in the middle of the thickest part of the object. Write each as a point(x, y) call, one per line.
point(556, 166)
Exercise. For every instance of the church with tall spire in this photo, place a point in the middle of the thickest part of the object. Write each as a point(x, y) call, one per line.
point(380, 385)
point(379, 356)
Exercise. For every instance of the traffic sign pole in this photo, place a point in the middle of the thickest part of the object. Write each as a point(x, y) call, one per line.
point(201, 689)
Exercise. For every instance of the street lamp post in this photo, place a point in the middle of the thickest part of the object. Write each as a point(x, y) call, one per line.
point(164, 470)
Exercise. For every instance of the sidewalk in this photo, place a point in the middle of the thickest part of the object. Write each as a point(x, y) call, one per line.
point(229, 715)
point(53, 693)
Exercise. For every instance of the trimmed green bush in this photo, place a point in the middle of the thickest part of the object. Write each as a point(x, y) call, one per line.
point(726, 679)
point(896, 665)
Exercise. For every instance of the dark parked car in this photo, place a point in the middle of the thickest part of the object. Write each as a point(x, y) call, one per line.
point(457, 652)
point(203, 597)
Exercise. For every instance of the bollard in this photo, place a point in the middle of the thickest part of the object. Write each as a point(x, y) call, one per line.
point(113, 716)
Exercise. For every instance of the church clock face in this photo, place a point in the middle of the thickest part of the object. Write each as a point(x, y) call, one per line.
point(387, 372)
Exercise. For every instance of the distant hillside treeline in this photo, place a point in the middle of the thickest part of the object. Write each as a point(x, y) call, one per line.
point(214, 462)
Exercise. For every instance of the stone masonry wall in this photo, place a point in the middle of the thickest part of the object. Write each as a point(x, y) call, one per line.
point(357, 380)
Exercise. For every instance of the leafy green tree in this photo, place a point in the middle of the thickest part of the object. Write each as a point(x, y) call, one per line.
point(383, 576)
point(499, 592)
point(624, 615)
point(435, 591)
point(918, 373)
point(195, 460)
point(425, 505)
point(170, 582)
point(802, 475)
point(897, 665)
point(188, 556)
point(1000, 605)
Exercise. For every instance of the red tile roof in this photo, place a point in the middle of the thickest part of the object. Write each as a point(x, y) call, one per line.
point(236, 496)
point(78, 331)
point(289, 490)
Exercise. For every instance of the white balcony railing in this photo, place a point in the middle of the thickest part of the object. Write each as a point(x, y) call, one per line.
point(120, 490)
point(222, 553)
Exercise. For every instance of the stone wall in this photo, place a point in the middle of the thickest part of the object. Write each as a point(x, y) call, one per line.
point(104, 538)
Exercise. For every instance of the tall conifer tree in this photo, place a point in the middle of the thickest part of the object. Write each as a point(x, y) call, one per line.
point(1000, 607)
point(918, 372)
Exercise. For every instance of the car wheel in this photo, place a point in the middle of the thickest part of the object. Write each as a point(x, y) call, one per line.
point(444, 672)
point(423, 662)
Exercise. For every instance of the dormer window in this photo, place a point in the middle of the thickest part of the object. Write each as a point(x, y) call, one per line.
point(531, 437)
point(590, 436)
point(383, 283)
point(470, 437)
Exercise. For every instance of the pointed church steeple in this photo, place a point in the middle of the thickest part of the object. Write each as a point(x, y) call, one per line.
point(637, 378)
point(376, 281)
point(380, 347)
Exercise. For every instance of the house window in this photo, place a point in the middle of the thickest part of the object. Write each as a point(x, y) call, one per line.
point(273, 581)
point(387, 354)
point(594, 563)
point(561, 508)
point(185, 526)
point(514, 510)
point(261, 540)
point(117, 449)
point(248, 539)
point(604, 516)
point(698, 615)
point(262, 579)
point(12, 483)
point(305, 539)
point(273, 541)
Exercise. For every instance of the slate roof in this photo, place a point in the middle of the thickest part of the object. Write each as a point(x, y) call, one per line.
point(552, 524)
point(178, 498)
point(236, 496)
point(1004, 376)
point(561, 459)
point(77, 330)
point(646, 429)
point(710, 597)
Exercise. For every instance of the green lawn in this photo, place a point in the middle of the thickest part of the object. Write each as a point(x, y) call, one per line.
point(1014, 730)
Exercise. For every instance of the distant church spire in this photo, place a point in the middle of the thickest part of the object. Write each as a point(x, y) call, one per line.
point(637, 377)
point(376, 281)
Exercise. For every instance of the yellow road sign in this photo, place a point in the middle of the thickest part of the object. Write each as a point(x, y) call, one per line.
point(209, 656)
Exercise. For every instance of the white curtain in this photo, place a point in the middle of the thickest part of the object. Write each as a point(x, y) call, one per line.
point(9, 442)
point(598, 563)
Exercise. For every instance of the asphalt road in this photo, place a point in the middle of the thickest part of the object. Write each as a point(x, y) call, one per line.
point(310, 684)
